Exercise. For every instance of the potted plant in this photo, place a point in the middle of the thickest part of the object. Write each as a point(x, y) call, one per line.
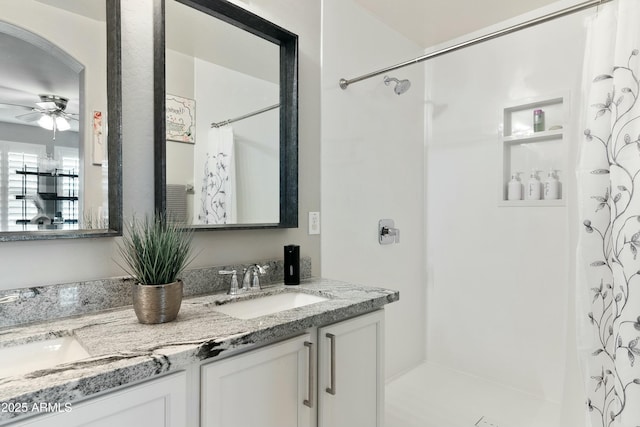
point(155, 251)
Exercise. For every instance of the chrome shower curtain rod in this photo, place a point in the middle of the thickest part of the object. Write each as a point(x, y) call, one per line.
point(246, 116)
point(344, 83)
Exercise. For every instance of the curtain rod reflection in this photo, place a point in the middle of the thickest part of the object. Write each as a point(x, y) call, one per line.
point(236, 119)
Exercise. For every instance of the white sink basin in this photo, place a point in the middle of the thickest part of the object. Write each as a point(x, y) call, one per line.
point(256, 307)
point(24, 358)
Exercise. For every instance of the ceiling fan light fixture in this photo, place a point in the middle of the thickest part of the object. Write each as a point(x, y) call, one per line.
point(50, 114)
point(46, 122)
point(62, 124)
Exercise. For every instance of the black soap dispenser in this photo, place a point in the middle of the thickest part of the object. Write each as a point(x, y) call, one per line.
point(292, 265)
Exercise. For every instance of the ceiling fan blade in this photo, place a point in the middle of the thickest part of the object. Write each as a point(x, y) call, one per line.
point(69, 116)
point(30, 117)
point(15, 107)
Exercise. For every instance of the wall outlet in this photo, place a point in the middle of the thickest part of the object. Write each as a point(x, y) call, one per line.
point(314, 222)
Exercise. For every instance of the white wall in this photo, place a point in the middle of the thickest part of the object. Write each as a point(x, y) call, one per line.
point(500, 278)
point(179, 69)
point(372, 168)
point(60, 261)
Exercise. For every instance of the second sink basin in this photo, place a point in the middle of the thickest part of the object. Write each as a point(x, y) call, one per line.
point(33, 356)
point(256, 307)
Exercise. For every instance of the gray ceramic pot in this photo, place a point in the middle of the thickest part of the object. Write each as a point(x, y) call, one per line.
point(157, 303)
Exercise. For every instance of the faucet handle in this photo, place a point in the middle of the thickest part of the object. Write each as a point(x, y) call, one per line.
point(257, 271)
point(246, 273)
point(233, 289)
point(255, 283)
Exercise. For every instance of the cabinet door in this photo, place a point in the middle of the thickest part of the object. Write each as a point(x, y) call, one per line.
point(267, 387)
point(158, 403)
point(350, 372)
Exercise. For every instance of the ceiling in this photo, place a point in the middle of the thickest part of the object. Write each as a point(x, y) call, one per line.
point(30, 68)
point(430, 22)
point(93, 9)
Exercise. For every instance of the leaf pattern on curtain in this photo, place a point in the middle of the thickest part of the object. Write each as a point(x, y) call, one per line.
point(610, 243)
point(213, 209)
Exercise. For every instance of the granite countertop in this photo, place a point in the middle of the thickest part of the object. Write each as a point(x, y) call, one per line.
point(123, 351)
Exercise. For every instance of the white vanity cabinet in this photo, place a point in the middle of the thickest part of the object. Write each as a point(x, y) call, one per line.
point(350, 372)
point(290, 384)
point(330, 376)
point(159, 403)
point(267, 387)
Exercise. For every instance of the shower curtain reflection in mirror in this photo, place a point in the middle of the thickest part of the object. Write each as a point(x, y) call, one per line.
point(217, 201)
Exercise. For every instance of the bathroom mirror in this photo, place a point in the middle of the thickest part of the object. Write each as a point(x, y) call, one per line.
point(226, 117)
point(60, 126)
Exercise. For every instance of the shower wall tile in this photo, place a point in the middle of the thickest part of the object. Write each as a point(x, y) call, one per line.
point(504, 273)
point(372, 160)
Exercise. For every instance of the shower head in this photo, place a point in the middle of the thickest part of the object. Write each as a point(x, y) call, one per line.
point(401, 85)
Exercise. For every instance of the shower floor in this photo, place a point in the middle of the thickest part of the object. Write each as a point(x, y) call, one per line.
point(431, 395)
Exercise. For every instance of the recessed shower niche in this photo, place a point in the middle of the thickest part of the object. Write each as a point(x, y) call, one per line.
point(533, 141)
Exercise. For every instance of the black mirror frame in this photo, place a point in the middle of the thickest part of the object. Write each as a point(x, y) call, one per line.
point(114, 142)
point(288, 42)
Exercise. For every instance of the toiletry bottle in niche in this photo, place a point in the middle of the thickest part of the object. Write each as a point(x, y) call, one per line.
point(534, 187)
point(514, 187)
point(552, 186)
point(538, 120)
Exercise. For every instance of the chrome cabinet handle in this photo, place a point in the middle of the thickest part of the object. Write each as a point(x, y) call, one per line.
point(332, 387)
point(309, 402)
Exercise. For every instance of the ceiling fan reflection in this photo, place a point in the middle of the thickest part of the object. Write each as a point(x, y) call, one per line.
point(49, 113)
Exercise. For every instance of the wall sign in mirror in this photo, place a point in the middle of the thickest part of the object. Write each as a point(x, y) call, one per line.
point(241, 71)
point(181, 119)
point(56, 90)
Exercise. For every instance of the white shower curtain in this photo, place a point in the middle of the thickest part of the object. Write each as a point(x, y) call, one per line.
point(218, 190)
point(609, 207)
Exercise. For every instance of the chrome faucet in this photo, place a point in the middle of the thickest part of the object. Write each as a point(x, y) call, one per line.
point(249, 284)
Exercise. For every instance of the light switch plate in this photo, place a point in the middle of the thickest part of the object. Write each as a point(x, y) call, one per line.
point(314, 222)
